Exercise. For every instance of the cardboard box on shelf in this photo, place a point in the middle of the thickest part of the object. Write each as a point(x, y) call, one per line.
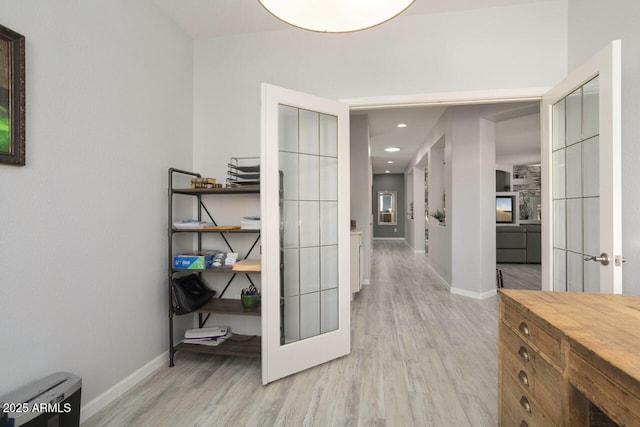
point(194, 260)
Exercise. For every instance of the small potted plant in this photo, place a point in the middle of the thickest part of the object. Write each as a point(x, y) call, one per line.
point(439, 215)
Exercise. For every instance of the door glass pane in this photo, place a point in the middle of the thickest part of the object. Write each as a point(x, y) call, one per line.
point(574, 170)
point(591, 109)
point(573, 120)
point(329, 310)
point(328, 135)
point(559, 125)
point(575, 264)
point(574, 226)
point(310, 264)
point(591, 169)
point(287, 128)
point(309, 315)
point(591, 276)
point(291, 274)
point(291, 315)
point(559, 270)
point(289, 162)
point(559, 224)
point(329, 267)
point(591, 221)
point(559, 182)
point(309, 223)
point(309, 132)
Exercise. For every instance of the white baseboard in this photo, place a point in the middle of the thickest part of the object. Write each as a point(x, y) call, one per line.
point(419, 251)
point(475, 295)
point(389, 238)
point(101, 401)
point(463, 292)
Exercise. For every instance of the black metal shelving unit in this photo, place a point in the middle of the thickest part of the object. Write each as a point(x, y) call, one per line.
point(237, 345)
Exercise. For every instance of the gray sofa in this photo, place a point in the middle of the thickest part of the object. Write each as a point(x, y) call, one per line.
point(518, 244)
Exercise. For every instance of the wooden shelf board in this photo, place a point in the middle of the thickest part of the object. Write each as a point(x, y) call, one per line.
point(227, 306)
point(204, 230)
point(237, 345)
point(226, 190)
point(212, 270)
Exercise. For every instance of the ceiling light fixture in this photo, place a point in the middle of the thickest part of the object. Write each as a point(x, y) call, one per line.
point(387, 171)
point(391, 149)
point(402, 125)
point(335, 16)
point(389, 161)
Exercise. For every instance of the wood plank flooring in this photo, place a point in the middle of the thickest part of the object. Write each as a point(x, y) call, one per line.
point(421, 356)
point(521, 276)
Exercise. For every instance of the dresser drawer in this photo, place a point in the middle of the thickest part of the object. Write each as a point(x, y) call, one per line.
point(535, 375)
point(520, 406)
point(534, 332)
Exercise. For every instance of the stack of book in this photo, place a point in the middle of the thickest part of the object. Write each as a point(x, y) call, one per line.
point(212, 336)
point(204, 183)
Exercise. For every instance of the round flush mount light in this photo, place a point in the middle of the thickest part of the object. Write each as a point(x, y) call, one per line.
point(387, 171)
point(335, 16)
point(402, 125)
point(391, 149)
point(389, 161)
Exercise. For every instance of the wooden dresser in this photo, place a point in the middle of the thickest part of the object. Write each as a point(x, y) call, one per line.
point(568, 359)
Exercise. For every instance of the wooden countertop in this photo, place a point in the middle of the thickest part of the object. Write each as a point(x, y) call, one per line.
point(600, 326)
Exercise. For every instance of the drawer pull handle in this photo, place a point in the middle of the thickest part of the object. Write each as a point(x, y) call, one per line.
point(522, 376)
point(524, 402)
point(524, 354)
point(524, 328)
point(524, 424)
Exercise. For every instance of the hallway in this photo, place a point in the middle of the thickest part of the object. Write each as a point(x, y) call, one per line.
point(421, 356)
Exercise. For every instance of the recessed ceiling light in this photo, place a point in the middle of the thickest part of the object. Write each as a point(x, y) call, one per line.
point(392, 149)
point(389, 161)
point(387, 171)
point(402, 125)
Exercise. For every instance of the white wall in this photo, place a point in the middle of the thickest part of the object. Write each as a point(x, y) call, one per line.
point(361, 185)
point(83, 224)
point(592, 25)
point(495, 48)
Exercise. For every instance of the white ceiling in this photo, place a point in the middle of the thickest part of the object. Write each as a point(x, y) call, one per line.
point(217, 18)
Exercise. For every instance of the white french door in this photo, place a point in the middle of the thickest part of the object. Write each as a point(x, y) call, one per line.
point(305, 231)
point(581, 165)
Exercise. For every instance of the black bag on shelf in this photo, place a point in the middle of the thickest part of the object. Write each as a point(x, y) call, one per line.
point(189, 293)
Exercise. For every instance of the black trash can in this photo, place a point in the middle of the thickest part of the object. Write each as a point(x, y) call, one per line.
point(53, 401)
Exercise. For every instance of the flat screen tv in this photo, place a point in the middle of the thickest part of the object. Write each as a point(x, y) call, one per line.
point(505, 213)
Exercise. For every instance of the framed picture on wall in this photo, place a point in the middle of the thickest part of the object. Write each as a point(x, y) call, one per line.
point(12, 97)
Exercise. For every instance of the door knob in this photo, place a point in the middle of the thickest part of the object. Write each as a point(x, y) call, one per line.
point(602, 259)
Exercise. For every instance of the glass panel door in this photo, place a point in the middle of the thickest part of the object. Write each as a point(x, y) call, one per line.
point(576, 192)
point(308, 156)
point(581, 219)
point(305, 233)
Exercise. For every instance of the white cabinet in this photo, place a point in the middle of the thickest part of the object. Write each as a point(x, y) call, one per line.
point(357, 261)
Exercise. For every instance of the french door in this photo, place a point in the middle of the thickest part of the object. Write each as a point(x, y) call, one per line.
point(305, 231)
point(581, 168)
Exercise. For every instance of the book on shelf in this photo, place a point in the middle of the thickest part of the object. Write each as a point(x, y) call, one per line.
point(247, 265)
point(212, 342)
point(206, 333)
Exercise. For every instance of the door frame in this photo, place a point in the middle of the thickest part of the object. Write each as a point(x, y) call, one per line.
point(533, 94)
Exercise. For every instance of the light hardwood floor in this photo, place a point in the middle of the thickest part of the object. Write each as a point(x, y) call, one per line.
point(421, 356)
point(521, 276)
